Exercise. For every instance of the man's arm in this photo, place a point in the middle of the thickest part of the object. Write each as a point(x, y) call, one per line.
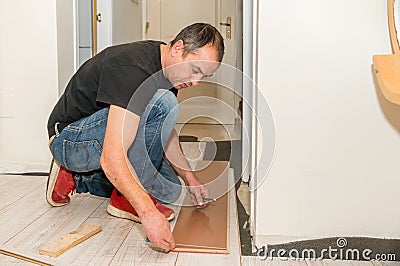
point(122, 127)
point(177, 160)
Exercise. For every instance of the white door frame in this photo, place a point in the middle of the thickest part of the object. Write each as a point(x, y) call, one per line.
point(250, 96)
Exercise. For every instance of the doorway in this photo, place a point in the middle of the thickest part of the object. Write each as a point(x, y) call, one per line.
point(102, 23)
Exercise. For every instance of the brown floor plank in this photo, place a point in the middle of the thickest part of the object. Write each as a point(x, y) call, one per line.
point(233, 258)
point(206, 227)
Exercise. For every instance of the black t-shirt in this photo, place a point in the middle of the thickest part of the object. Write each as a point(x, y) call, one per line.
point(112, 77)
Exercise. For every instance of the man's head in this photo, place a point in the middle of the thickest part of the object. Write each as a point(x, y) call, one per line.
point(195, 53)
point(198, 35)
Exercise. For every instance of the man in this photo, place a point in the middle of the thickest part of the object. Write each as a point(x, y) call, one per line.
point(112, 131)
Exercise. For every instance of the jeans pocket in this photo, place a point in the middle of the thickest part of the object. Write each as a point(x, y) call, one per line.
point(82, 156)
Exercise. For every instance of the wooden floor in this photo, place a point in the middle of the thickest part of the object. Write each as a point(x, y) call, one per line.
point(28, 222)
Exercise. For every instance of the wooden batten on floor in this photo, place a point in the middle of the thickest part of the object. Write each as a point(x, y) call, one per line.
point(72, 239)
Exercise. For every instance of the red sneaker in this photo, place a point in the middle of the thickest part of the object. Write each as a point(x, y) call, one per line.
point(59, 185)
point(120, 207)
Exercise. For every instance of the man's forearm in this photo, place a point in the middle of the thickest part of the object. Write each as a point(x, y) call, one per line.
point(120, 134)
point(122, 175)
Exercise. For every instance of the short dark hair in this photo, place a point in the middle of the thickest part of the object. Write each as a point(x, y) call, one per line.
point(198, 35)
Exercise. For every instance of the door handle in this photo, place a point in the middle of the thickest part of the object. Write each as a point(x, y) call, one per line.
point(228, 25)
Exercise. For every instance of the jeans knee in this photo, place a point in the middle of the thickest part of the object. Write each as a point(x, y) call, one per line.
point(170, 194)
point(175, 193)
point(168, 104)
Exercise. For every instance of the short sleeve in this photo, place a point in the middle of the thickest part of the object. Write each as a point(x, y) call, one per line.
point(118, 85)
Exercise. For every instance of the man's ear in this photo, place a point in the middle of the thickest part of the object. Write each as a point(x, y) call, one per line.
point(177, 49)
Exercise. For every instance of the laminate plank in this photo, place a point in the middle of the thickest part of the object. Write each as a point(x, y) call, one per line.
point(10, 256)
point(233, 258)
point(134, 251)
point(7, 260)
point(18, 215)
point(6, 178)
point(206, 227)
point(101, 211)
point(143, 255)
point(17, 187)
point(100, 248)
point(54, 223)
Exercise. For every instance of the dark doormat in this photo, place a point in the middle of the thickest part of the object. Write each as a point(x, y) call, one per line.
point(184, 138)
point(226, 151)
point(337, 248)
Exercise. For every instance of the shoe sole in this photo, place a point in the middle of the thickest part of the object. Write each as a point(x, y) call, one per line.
point(51, 181)
point(122, 214)
point(127, 215)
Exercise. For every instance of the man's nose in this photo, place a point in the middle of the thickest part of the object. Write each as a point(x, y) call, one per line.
point(196, 79)
point(195, 82)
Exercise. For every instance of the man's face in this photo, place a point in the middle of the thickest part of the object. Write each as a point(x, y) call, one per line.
point(189, 70)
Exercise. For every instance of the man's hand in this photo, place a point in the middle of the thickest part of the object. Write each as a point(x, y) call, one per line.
point(158, 230)
point(177, 160)
point(198, 192)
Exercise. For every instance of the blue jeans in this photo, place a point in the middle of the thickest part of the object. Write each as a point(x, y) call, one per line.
point(78, 147)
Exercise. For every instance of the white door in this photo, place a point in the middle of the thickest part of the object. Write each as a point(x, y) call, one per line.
point(117, 22)
point(206, 103)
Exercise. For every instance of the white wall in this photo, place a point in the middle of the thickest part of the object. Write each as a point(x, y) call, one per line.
point(28, 82)
point(66, 42)
point(337, 163)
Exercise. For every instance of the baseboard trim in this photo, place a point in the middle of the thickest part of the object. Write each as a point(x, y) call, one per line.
point(22, 168)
